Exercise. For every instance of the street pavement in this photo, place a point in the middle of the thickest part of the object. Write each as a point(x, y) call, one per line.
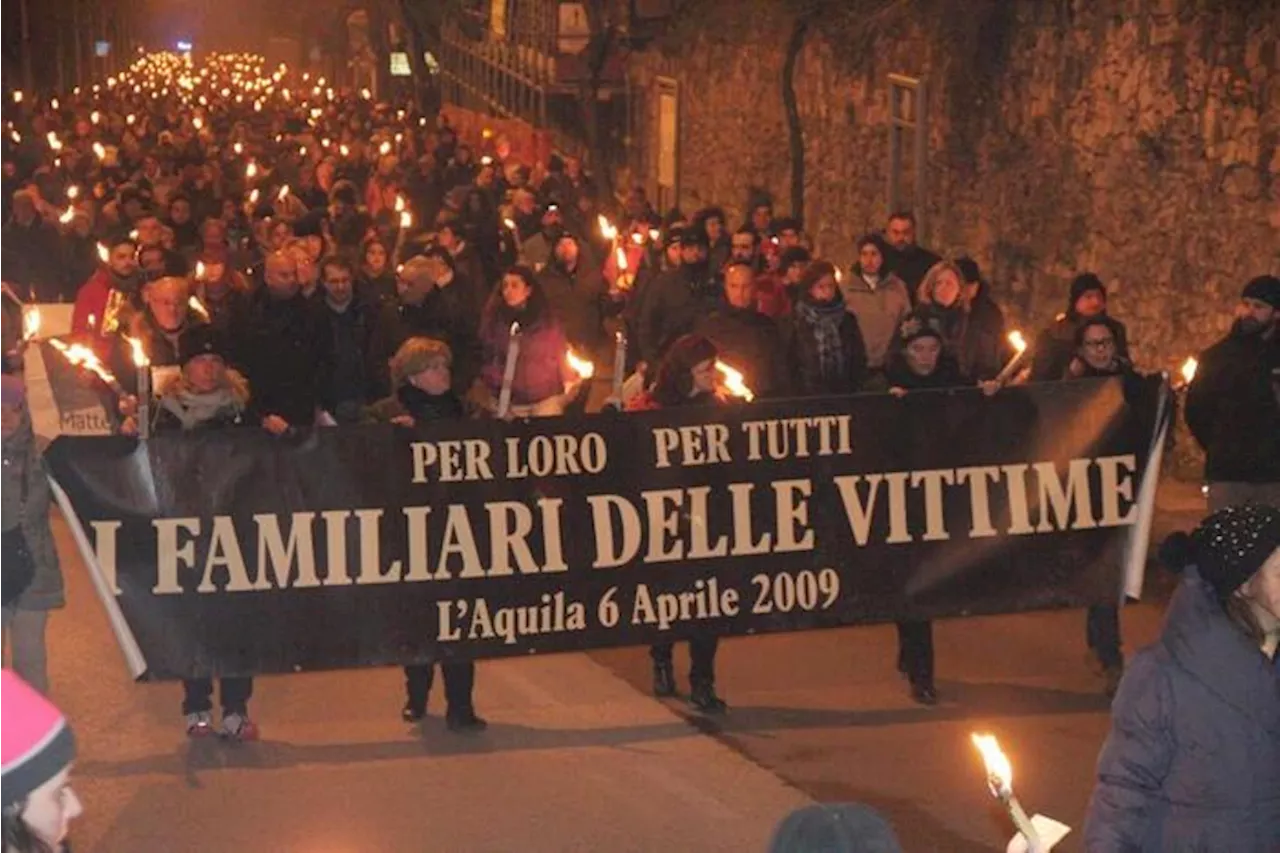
point(578, 756)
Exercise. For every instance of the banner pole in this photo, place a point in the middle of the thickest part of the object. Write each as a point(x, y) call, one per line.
point(133, 657)
point(1135, 569)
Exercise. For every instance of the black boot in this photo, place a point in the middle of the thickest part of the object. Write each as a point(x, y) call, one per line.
point(417, 686)
point(664, 679)
point(923, 691)
point(464, 720)
point(702, 695)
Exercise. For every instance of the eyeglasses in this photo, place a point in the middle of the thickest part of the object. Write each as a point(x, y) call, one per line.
point(1100, 343)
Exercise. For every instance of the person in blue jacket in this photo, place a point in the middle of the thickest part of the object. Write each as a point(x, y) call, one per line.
point(1192, 762)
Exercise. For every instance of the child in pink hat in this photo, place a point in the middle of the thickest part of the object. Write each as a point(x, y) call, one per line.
point(36, 749)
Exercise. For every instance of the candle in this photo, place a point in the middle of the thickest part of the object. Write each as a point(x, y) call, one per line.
point(619, 364)
point(1188, 370)
point(509, 370)
point(143, 365)
point(1019, 344)
point(1000, 783)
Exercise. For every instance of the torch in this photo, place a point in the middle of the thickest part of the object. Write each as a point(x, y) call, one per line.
point(624, 279)
point(1019, 344)
point(509, 370)
point(143, 366)
point(79, 355)
point(195, 305)
point(619, 364)
point(1187, 372)
point(30, 323)
point(733, 382)
point(1035, 835)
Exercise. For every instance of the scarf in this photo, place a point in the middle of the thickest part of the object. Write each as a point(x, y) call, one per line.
point(192, 409)
point(824, 319)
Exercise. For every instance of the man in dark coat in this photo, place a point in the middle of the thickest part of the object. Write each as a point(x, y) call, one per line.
point(282, 349)
point(1055, 348)
point(32, 253)
point(1233, 404)
point(577, 293)
point(674, 299)
point(429, 303)
point(907, 259)
point(747, 339)
point(349, 323)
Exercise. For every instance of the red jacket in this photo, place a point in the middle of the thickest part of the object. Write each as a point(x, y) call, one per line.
point(91, 300)
point(772, 299)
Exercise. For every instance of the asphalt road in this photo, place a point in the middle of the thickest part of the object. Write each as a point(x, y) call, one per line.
point(579, 757)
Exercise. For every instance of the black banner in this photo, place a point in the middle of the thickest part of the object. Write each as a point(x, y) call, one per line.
point(236, 552)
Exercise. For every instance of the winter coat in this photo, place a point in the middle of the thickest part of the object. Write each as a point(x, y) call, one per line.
point(985, 349)
point(445, 315)
point(376, 290)
point(1192, 762)
point(772, 298)
point(541, 371)
point(25, 499)
point(1233, 409)
point(33, 260)
point(284, 353)
point(909, 264)
point(879, 311)
point(180, 408)
point(349, 386)
point(804, 357)
point(577, 300)
point(1055, 347)
point(945, 375)
point(672, 303)
point(92, 297)
point(750, 342)
point(417, 404)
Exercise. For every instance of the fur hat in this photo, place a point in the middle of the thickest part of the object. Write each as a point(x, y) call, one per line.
point(416, 355)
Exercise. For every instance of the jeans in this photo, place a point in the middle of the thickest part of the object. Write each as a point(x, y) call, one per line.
point(702, 658)
point(1102, 629)
point(235, 694)
point(24, 632)
point(915, 651)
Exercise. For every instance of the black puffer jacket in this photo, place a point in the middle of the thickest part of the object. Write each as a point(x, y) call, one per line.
point(1233, 409)
point(750, 342)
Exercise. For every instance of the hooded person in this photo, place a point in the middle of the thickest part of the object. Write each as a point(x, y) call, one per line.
point(37, 749)
point(1192, 761)
point(1233, 403)
point(33, 583)
point(577, 292)
point(877, 298)
point(1054, 349)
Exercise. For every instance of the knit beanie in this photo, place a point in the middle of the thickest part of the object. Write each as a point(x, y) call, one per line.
point(35, 741)
point(834, 828)
point(1084, 283)
point(1228, 547)
point(1264, 288)
point(919, 324)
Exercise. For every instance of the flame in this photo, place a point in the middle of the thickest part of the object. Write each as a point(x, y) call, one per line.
point(654, 234)
point(620, 256)
point(17, 97)
point(253, 196)
point(103, 254)
point(366, 94)
point(67, 217)
point(581, 366)
point(95, 116)
point(1017, 341)
point(79, 355)
point(73, 192)
point(54, 104)
point(138, 353)
point(486, 133)
point(734, 382)
point(197, 306)
point(385, 148)
point(99, 151)
point(999, 770)
point(324, 143)
point(399, 206)
point(344, 150)
point(197, 123)
point(55, 144)
point(15, 136)
point(302, 151)
point(607, 229)
point(637, 238)
point(406, 219)
point(283, 194)
point(510, 223)
point(251, 170)
point(1188, 369)
point(486, 160)
point(31, 323)
point(93, 321)
point(238, 148)
point(199, 271)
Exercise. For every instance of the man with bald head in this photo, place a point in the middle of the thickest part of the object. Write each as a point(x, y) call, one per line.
point(748, 340)
point(282, 348)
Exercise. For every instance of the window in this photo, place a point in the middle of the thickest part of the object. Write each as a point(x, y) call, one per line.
point(668, 144)
point(908, 147)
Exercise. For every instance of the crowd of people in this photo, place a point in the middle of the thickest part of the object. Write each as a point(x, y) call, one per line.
point(304, 255)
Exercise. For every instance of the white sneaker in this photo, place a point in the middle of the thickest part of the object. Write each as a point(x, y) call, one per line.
point(199, 724)
point(238, 727)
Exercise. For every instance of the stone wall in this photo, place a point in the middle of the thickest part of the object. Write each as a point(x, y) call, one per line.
point(1136, 138)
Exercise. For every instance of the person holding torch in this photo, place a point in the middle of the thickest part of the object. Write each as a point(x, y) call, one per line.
point(523, 349)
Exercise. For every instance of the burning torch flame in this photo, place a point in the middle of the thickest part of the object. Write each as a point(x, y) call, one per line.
point(197, 123)
point(654, 234)
point(130, 119)
point(385, 148)
point(510, 224)
point(139, 354)
point(199, 271)
point(620, 255)
point(31, 324)
point(17, 97)
point(95, 116)
point(581, 366)
point(253, 196)
point(79, 355)
point(251, 170)
point(73, 192)
point(54, 103)
point(55, 144)
point(406, 219)
point(366, 94)
point(344, 149)
point(1017, 341)
point(67, 217)
point(607, 229)
point(486, 160)
point(733, 382)
point(1188, 369)
point(637, 238)
point(197, 306)
point(999, 770)
point(238, 148)
point(103, 254)
point(99, 151)
point(283, 194)
point(399, 206)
